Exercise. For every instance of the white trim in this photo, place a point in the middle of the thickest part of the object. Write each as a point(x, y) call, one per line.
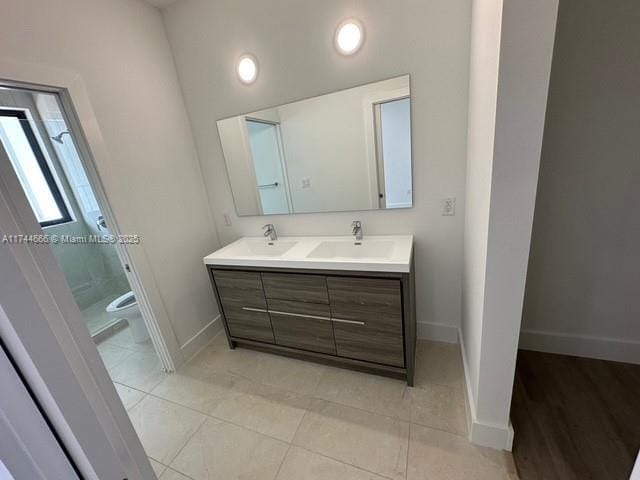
point(202, 338)
point(437, 332)
point(603, 348)
point(480, 433)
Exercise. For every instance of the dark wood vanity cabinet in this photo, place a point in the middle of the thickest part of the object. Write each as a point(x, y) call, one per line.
point(362, 320)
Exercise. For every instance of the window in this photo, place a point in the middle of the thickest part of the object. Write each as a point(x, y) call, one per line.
point(32, 168)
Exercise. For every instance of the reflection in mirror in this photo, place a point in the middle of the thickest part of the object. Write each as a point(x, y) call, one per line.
point(348, 150)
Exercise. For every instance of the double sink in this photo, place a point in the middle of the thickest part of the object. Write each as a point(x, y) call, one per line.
point(373, 253)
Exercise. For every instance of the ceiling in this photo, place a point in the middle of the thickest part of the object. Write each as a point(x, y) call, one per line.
point(160, 3)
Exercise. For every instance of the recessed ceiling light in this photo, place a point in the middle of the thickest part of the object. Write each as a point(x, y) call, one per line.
point(247, 68)
point(349, 36)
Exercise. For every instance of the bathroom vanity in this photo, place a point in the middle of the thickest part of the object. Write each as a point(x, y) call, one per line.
point(330, 299)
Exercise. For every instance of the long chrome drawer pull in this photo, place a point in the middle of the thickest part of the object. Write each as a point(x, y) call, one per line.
point(255, 309)
point(299, 315)
point(341, 320)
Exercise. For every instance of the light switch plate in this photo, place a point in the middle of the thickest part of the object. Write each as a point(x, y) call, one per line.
point(449, 206)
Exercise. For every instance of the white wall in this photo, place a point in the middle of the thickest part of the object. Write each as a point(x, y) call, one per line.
point(152, 178)
point(294, 45)
point(483, 93)
point(512, 44)
point(582, 295)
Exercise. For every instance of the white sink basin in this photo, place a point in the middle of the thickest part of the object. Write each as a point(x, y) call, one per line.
point(376, 253)
point(377, 249)
point(257, 247)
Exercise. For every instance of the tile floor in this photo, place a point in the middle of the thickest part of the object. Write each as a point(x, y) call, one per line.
point(240, 414)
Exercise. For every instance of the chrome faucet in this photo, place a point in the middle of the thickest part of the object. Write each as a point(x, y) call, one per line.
point(270, 231)
point(357, 229)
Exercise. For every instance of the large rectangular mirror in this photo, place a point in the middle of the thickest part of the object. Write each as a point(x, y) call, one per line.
point(348, 150)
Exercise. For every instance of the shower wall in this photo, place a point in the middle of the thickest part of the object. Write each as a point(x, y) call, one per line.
point(93, 271)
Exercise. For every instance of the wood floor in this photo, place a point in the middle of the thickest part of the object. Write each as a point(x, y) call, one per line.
point(575, 418)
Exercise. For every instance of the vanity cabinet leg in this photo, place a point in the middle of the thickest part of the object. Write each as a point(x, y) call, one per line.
point(232, 344)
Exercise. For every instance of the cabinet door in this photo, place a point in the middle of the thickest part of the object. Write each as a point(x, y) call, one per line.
point(244, 305)
point(367, 319)
point(302, 325)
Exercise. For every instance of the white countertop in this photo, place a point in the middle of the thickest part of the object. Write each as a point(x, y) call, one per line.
point(380, 253)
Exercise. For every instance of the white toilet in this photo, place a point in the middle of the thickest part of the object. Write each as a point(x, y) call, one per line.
point(126, 306)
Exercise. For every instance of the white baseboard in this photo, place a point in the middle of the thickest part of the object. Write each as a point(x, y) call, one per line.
point(614, 349)
point(487, 435)
point(201, 339)
point(437, 332)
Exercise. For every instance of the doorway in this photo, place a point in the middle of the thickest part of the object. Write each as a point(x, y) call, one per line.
point(392, 120)
point(43, 152)
point(269, 165)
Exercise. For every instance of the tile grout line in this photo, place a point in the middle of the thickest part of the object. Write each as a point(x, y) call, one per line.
point(314, 396)
point(213, 417)
point(263, 434)
point(326, 456)
point(406, 470)
point(381, 475)
point(311, 396)
point(284, 457)
point(119, 362)
point(183, 447)
point(178, 471)
point(409, 422)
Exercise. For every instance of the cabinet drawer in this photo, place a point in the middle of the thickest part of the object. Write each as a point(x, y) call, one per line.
point(378, 292)
point(302, 325)
point(365, 342)
point(234, 279)
point(296, 287)
point(367, 334)
point(236, 299)
point(367, 319)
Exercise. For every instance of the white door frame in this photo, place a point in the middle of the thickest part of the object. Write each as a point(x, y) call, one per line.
point(89, 141)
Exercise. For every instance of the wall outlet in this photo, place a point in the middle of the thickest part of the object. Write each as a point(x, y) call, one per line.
point(449, 206)
point(227, 219)
point(306, 183)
